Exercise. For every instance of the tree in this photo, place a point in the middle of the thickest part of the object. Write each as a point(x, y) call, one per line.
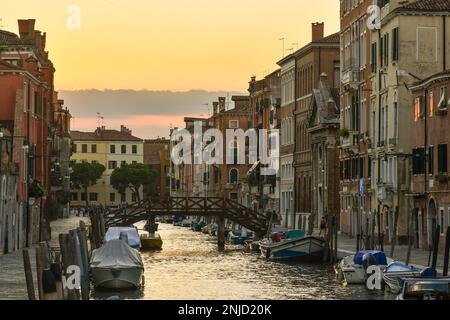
point(133, 177)
point(85, 175)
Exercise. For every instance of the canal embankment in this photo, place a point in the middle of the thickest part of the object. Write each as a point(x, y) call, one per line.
point(13, 284)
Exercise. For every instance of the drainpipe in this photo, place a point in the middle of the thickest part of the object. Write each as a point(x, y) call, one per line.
point(444, 44)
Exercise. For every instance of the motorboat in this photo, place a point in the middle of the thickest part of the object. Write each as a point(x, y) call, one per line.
point(114, 233)
point(198, 226)
point(394, 274)
point(234, 237)
point(353, 268)
point(186, 223)
point(251, 246)
point(295, 246)
point(425, 289)
point(150, 242)
point(116, 266)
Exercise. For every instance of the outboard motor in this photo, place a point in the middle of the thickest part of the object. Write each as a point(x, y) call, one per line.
point(369, 260)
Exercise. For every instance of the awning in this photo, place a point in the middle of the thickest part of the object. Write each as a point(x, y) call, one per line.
point(254, 167)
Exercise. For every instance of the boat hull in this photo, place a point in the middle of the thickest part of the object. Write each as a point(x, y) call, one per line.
point(309, 249)
point(152, 243)
point(394, 280)
point(117, 279)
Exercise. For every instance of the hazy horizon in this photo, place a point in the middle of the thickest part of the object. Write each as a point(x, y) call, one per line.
point(148, 113)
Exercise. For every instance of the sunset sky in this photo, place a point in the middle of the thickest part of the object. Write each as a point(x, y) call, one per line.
point(178, 45)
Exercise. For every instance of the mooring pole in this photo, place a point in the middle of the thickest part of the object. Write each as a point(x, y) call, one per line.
point(221, 234)
point(437, 235)
point(447, 252)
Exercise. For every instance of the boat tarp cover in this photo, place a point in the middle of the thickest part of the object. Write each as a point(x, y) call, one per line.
point(380, 256)
point(113, 233)
point(294, 234)
point(399, 267)
point(116, 254)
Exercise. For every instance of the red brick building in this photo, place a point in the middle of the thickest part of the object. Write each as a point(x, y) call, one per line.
point(26, 109)
point(430, 166)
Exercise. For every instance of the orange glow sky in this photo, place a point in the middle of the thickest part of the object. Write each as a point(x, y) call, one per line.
point(170, 45)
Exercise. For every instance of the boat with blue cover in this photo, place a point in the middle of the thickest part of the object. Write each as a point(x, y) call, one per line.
point(353, 268)
point(295, 246)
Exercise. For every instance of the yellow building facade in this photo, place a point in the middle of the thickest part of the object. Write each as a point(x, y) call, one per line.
point(111, 148)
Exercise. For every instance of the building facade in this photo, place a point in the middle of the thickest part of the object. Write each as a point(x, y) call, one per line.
point(430, 171)
point(111, 148)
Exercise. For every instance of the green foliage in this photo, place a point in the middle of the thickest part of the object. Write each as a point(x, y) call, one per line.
point(343, 132)
point(86, 174)
point(133, 176)
point(36, 190)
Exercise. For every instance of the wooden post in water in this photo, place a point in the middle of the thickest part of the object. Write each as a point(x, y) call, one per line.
point(81, 232)
point(394, 232)
point(39, 270)
point(410, 237)
point(80, 263)
point(335, 238)
point(28, 274)
point(221, 234)
point(447, 253)
point(437, 235)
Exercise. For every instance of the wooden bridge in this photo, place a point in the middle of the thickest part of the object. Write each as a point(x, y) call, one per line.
point(221, 208)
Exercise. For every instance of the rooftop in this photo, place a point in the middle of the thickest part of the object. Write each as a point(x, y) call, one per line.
point(103, 135)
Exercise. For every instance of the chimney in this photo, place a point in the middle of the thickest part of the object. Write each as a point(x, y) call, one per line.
point(318, 30)
point(331, 108)
point(125, 130)
point(43, 41)
point(26, 29)
point(215, 107)
point(222, 104)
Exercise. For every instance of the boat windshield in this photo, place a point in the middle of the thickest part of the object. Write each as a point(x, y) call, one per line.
point(428, 290)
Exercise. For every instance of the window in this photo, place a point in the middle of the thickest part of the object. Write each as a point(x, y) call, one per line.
point(93, 196)
point(123, 163)
point(395, 45)
point(94, 162)
point(442, 221)
point(83, 196)
point(37, 103)
point(419, 108)
point(112, 165)
point(418, 161)
point(234, 176)
point(234, 124)
point(44, 107)
point(134, 149)
point(74, 148)
point(84, 148)
point(431, 104)
point(431, 160)
point(442, 158)
point(112, 148)
point(133, 197)
point(233, 196)
point(74, 196)
point(94, 148)
point(443, 98)
point(112, 197)
point(374, 57)
point(123, 197)
point(123, 149)
point(134, 162)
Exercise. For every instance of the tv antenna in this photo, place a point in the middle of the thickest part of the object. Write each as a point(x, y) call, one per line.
point(295, 45)
point(282, 40)
point(1, 23)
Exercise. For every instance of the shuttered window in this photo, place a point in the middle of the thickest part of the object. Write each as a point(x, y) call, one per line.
point(419, 161)
point(395, 44)
point(442, 158)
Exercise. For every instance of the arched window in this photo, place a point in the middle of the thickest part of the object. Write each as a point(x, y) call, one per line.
point(234, 176)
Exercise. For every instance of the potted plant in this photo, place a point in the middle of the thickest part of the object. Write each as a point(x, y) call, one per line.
point(343, 133)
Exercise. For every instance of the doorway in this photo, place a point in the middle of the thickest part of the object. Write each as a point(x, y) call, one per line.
point(432, 221)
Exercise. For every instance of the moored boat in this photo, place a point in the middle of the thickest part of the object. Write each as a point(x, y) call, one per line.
point(353, 268)
point(116, 266)
point(295, 247)
point(151, 243)
point(425, 289)
point(115, 233)
point(394, 274)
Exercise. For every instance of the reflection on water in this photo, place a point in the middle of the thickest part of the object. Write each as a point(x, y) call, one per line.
point(189, 267)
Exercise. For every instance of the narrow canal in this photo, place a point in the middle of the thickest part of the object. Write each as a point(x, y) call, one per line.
point(189, 267)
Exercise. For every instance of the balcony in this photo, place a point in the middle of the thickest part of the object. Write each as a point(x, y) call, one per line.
point(350, 142)
point(350, 78)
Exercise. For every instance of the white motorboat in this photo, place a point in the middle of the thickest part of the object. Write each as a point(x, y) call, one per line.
point(352, 269)
point(116, 266)
point(114, 233)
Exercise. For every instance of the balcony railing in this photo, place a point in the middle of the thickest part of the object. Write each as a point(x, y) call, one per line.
point(351, 141)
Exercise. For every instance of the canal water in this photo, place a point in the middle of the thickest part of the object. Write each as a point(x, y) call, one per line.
point(190, 268)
